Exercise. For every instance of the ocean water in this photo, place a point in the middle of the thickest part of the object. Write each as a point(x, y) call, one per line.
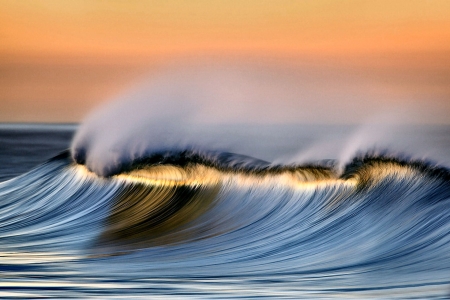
point(293, 212)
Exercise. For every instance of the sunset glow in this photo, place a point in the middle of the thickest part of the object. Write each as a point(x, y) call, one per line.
point(115, 42)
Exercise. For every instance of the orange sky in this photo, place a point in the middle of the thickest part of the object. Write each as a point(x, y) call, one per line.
point(59, 58)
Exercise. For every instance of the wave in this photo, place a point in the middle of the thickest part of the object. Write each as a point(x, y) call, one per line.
point(157, 195)
point(201, 214)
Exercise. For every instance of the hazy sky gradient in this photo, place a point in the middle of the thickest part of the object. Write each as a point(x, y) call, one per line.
point(59, 59)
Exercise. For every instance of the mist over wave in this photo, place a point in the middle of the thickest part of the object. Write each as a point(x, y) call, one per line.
point(208, 110)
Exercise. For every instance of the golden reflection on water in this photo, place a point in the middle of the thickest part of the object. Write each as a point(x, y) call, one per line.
point(35, 257)
point(156, 202)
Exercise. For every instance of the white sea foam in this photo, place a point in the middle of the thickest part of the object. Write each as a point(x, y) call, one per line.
point(223, 108)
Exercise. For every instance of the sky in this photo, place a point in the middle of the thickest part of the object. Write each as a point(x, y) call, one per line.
point(60, 59)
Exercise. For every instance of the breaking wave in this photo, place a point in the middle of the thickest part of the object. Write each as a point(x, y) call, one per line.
point(380, 228)
point(152, 200)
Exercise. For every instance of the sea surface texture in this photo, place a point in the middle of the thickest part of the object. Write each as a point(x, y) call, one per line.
point(292, 217)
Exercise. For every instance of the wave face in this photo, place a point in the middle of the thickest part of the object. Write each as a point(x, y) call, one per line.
point(197, 225)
